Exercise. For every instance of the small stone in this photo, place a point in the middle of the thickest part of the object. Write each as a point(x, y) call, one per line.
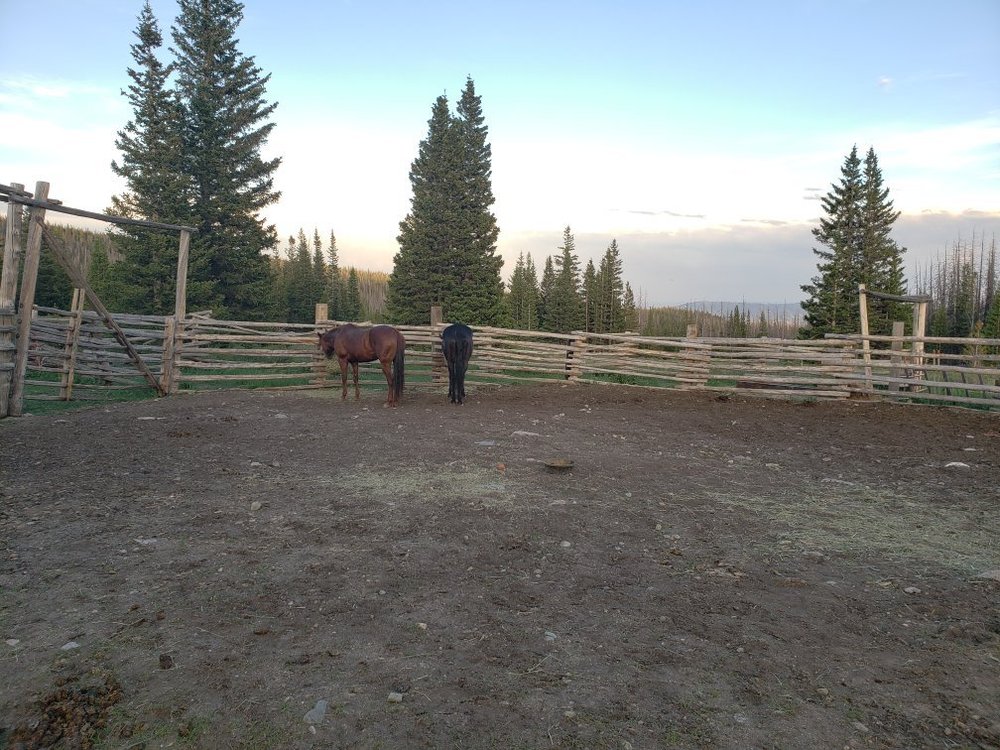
point(316, 713)
point(911, 590)
point(571, 714)
point(773, 467)
point(993, 575)
point(956, 465)
point(395, 697)
point(256, 463)
point(565, 544)
point(69, 646)
point(166, 661)
point(550, 636)
point(860, 727)
point(422, 625)
point(823, 691)
point(659, 527)
point(12, 642)
point(256, 505)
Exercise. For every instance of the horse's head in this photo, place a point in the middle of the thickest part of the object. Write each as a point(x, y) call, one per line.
point(326, 342)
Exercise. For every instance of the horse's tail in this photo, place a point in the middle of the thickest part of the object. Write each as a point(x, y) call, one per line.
point(397, 368)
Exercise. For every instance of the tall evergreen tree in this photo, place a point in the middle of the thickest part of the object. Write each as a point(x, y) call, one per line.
point(524, 295)
point(335, 284)
point(857, 248)
point(352, 297)
point(225, 127)
point(590, 291)
point(447, 242)
point(156, 188)
point(545, 292)
point(630, 315)
point(564, 308)
point(880, 266)
point(609, 306)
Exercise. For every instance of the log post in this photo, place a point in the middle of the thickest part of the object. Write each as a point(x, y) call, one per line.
point(8, 293)
point(321, 315)
point(866, 344)
point(574, 356)
point(167, 359)
point(71, 345)
point(439, 369)
point(26, 299)
point(180, 310)
point(898, 330)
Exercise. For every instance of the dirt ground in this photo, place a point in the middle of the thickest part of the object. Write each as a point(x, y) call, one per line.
point(284, 570)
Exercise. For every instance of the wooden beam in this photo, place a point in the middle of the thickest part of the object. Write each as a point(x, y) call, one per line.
point(8, 295)
point(26, 301)
point(866, 344)
point(36, 202)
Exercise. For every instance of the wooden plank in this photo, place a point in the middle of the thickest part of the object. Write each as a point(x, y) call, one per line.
point(58, 207)
point(70, 346)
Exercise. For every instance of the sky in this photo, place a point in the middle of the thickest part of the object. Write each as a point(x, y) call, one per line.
point(699, 136)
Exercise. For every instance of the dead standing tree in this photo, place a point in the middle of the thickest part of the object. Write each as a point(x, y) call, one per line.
point(15, 328)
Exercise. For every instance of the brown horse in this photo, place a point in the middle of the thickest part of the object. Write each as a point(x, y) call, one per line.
point(353, 344)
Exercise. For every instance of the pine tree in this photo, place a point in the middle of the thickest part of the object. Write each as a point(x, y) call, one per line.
point(564, 307)
point(226, 126)
point(832, 303)
point(524, 295)
point(545, 291)
point(630, 315)
point(610, 293)
point(352, 297)
point(879, 266)
point(335, 284)
point(859, 250)
point(447, 243)
point(591, 291)
point(156, 188)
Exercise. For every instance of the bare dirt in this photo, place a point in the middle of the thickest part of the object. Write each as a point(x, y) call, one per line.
point(201, 571)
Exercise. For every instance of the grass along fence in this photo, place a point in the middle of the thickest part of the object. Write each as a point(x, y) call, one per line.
point(74, 356)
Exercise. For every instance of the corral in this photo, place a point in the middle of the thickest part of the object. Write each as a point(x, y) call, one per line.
point(253, 569)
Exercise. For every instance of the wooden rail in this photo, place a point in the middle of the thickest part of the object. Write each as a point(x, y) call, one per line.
point(73, 355)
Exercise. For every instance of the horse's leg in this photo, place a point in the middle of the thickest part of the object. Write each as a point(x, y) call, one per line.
point(357, 389)
point(343, 378)
point(387, 371)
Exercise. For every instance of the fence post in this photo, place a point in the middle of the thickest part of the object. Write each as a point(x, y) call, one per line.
point(866, 344)
point(26, 299)
point(574, 356)
point(694, 359)
point(919, 331)
point(71, 345)
point(322, 314)
point(898, 330)
point(8, 293)
point(438, 368)
point(167, 359)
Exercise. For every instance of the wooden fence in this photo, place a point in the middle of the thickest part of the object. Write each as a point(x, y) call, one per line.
point(75, 356)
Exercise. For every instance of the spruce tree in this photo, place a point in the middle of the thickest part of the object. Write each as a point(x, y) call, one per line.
point(630, 316)
point(610, 292)
point(879, 265)
point(858, 250)
point(590, 295)
point(447, 242)
point(225, 127)
point(564, 306)
point(524, 295)
point(422, 273)
point(156, 188)
point(335, 285)
point(352, 297)
point(545, 292)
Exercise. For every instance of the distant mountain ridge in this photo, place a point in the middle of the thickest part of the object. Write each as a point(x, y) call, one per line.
point(772, 310)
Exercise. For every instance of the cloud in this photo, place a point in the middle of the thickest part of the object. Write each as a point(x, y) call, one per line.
point(664, 212)
point(885, 83)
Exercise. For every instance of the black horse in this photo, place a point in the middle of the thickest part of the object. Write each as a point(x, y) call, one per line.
point(456, 344)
